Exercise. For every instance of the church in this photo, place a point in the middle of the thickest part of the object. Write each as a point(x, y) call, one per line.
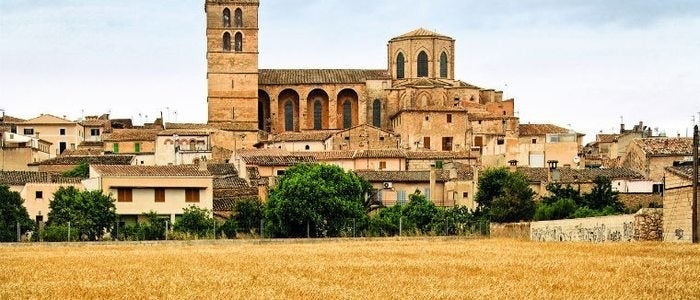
point(415, 98)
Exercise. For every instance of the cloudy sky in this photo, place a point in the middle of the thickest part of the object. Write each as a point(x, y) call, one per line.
point(583, 64)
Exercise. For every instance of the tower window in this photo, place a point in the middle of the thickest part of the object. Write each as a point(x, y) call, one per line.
point(227, 41)
point(227, 17)
point(238, 18)
point(422, 64)
point(289, 116)
point(347, 114)
point(400, 66)
point(239, 42)
point(443, 65)
point(317, 114)
point(377, 113)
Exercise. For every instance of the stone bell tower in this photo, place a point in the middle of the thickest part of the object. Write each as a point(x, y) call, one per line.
point(232, 60)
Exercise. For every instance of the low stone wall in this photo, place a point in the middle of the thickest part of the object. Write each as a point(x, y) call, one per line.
point(643, 226)
point(640, 200)
point(510, 230)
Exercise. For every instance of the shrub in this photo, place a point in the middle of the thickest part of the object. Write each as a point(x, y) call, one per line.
point(229, 228)
point(559, 209)
point(196, 222)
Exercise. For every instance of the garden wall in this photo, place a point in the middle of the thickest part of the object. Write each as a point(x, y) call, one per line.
point(644, 225)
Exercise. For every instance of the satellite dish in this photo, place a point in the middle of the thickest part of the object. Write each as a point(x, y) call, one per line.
point(577, 159)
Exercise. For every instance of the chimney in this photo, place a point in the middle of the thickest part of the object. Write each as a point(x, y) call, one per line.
point(202, 165)
point(552, 172)
point(513, 165)
point(622, 128)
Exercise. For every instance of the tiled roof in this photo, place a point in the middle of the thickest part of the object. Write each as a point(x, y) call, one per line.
point(319, 76)
point(569, 175)
point(82, 152)
point(91, 144)
point(230, 182)
point(665, 146)
point(95, 123)
point(186, 132)
point(540, 129)
point(606, 138)
point(423, 82)
point(121, 123)
point(10, 119)
point(316, 135)
point(186, 126)
point(274, 157)
point(420, 32)
point(227, 204)
point(438, 155)
point(93, 160)
point(24, 177)
point(253, 172)
point(332, 154)
point(125, 135)
point(380, 153)
point(684, 171)
point(151, 171)
point(48, 119)
point(408, 176)
point(222, 169)
point(467, 85)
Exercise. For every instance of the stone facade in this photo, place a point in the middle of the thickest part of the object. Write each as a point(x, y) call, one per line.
point(678, 196)
point(645, 225)
point(648, 224)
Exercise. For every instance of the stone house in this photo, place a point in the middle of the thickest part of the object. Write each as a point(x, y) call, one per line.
point(36, 189)
point(651, 156)
point(17, 151)
point(95, 127)
point(539, 143)
point(63, 134)
point(183, 146)
point(166, 190)
point(228, 189)
point(678, 195)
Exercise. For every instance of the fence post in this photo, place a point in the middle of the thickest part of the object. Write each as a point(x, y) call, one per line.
point(400, 223)
point(262, 235)
point(166, 229)
point(307, 230)
point(19, 233)
point(69, 231)
point(353, 226)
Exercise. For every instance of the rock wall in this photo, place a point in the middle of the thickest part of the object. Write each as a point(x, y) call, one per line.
point(648, 224)
point(510, 230)
point(645, 225)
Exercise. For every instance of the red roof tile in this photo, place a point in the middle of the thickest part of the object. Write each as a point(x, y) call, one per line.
point(152, 171)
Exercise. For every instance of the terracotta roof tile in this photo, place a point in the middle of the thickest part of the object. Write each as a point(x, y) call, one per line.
point(319, 76)
point(540, 129)
point(24, 177)
point(316, 135)
point(222, 169)
point(274, 157)
point(151, 171)
point(665, 146)
point(126, 135)
point(684, 171)
point(407, 176)
point(380, 153)
point(420, 32)
point(607, 138)
point(568, 175)
point(91, 159)
point(438, 155)
point(83, 152)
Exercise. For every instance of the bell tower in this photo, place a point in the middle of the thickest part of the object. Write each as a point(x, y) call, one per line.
point(232, 60)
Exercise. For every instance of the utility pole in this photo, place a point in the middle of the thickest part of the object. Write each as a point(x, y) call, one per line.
point(694, 203)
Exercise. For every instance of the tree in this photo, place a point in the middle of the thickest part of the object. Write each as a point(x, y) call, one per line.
point(420, 212)
point(195, 221)
point(90, 213)
point(602, 196)
point(558, 192)
point(315, 198)
point(12, 212)
point(505, 196)
point(82, 170)
point(247, 214)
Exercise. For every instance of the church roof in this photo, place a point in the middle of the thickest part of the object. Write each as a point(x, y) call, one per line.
point(420, 32)
point(319, 76)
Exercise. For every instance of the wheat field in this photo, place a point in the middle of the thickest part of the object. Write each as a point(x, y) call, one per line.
point(377, 269)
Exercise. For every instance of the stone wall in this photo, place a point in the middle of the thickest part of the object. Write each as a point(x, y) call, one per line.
point(677, 209)
point(510, 230)
point(642, 226)
point(640, 200)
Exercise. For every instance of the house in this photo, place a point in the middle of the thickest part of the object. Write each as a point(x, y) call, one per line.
point(539, 143)
point(493, 136)
point(425, 160)
point(183, 146)
point(298, 141)
point(678, 213)
point(95, 127)
point(36, 189)
point(228, 189)
point(651, 156)
point(63, 134)
point(371, 159)
point(139, 142)
point(17, 151)
point(64, 163)
point(269, 162)
point(166, 190)
point(362, 137)
point(607, 150)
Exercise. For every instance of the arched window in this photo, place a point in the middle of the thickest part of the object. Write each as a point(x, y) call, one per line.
point(317, 114)
point(377, 113)
point(289, 116)
point(443, 65)
point(227, 17)
point(238, 18)
point(347, 114)
point(239, 42)
point(422, 64)
point(227, 41)
point(399, 66)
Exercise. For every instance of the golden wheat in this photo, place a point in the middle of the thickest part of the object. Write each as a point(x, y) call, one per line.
point(378, 269)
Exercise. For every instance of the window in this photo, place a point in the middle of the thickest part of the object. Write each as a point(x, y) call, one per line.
point(29, 131)
point(124, 195)
point(422, 64)
point(137, 147)
point(465, 195)
point(347, 114)
point(449, 118)
point(159, 195)
point(500, 141)
point(426, 142)
point(447, 143)
point(400, 66)
point(658, 188)
point(239, 42)
point(191, 195)
point(426, 192)
point(401, 197)
point(94, 132)
point(443, 65)
point(227, 41)
point(534, 141)
point(478, 141)
point(377, 113)
point(289, 116)
point(115, 148)
point(307, 147)
point(382, 165)
point(62, 131)
point(318, 114)
point(39, 195)
point(238, 18)
point(227, 17)
point(281, 172)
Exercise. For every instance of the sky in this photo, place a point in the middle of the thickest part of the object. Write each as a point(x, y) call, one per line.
point(584, 65)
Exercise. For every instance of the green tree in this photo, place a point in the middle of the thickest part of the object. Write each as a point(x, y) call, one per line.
point(315, 197)
point(90, 213)
point(602, 196)
point(563, 208)
point(505, 196)
point(557, 191)
point(12, 211)
point(420, 212)
point(195, 221)
point(247, 214)
point(82, 170)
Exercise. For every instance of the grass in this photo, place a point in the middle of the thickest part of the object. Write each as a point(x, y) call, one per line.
point(378, 269)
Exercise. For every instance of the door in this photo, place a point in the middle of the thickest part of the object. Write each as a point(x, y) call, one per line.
point(61, 147)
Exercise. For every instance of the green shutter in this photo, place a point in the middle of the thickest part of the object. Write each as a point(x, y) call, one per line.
point(115, 147)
